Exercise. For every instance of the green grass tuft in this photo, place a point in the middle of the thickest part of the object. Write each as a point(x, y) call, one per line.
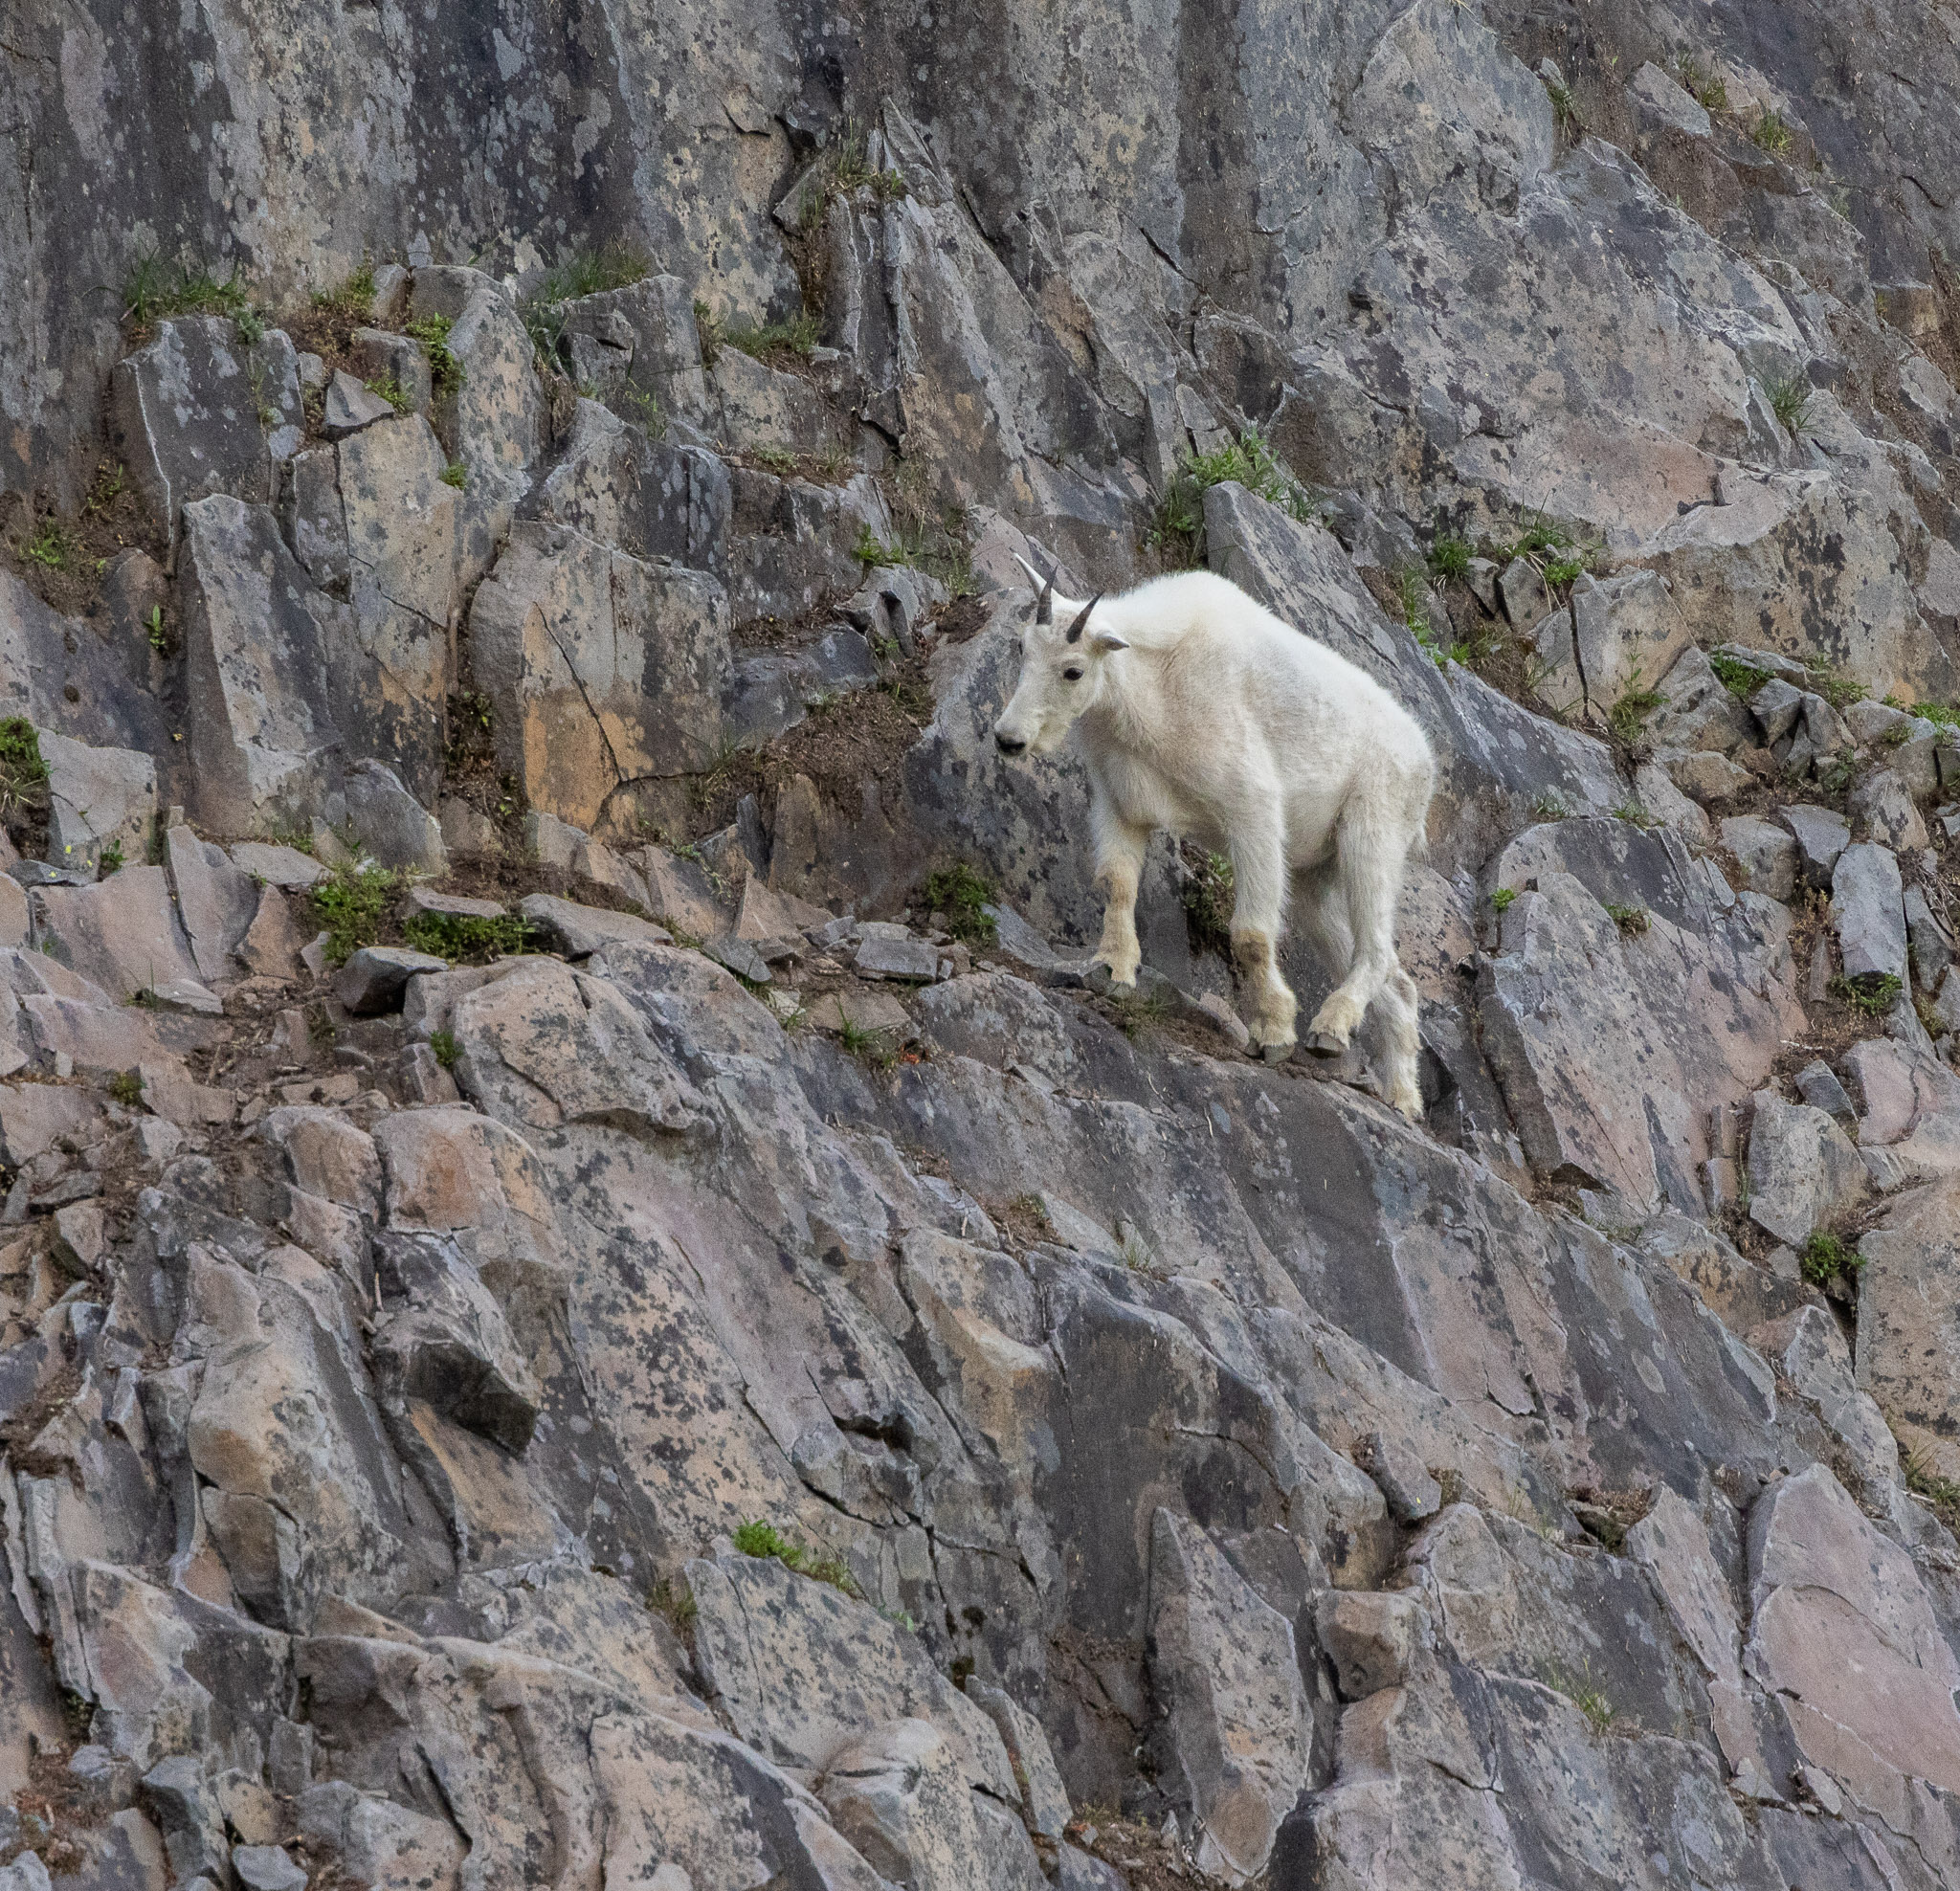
point(793, 338)
point(445, 370)
point(455, 473)
point(23, 774)
point(963, 895)
point(125, 1087)
point(1629, 919)
point(1209, 898)
point(1738, 678)
point(1629, 715)
point(443, 1043)
point(350, 905)
point(152, 291)
point(1503, 898)
point(1249, 461)
point(1771, 133)
point(1789, 401)
point(1450, 556)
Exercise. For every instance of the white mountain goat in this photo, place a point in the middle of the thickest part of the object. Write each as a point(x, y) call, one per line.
point(1202, 713)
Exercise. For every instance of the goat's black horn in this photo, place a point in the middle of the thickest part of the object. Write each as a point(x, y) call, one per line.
point(1044, 610)
point(1075, 630)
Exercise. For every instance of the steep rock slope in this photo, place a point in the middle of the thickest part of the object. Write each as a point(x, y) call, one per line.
point(681, 1340)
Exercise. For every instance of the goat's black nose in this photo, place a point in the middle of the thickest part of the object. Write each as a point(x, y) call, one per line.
point(1008, 745)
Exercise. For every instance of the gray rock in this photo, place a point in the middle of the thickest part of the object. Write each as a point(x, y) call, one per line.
point(1883, 812)
point(627, 683)
point(186, 415)
point(121, 934)
point(350, 406)
point(1699, 712)
point(392, 824)
point(1374, 1639)
point(1818, 1086)
point(27, 1873)
point(373, 979)
point(180, 1799)
point(426, 900)
point(450, 1345)
point(1930, 939)
point(101, 800)
point(642, 338)
point(892, 953)
point(1778, 707)
point(1412, 1493)
point(261, 739)
point(1821, 837)
point(579, 931)
point(1043, 1796)
point(1522, 593)
point(740, 956)
point(1662, 100)
point(650, 498)
point(1868, 911)
point(1803, 1170)
point(217, 900)
point(1768, 855)
point(284, 867)
point(1909, 1344)
point(1626, 635)
point(382, 358)
point(1238, 1727)
point(266, 1868)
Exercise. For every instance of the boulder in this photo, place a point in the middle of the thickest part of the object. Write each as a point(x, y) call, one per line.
point(100, 801)
point(392, 824)
point(121, 934)
point(1868, 912)
point(350, 406)
point(1766, 853)
point(1238, 1731)
point(373, 979)
point(601, 669)
point(1883, 812)
point(1803, 1170)
point(217, 900)
point(650, 498)
point(1372, 1638)
point(644, 337)
point(1821, 837)
point(1908, 1338)
point(1698, 711)
point(197, 412)
point(261, 738)
point(579, 931)
point(284, 867)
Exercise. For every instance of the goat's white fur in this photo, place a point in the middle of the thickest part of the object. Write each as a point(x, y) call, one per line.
point(1202, 713)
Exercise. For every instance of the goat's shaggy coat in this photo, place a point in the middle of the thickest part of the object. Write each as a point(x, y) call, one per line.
point(1202, 713)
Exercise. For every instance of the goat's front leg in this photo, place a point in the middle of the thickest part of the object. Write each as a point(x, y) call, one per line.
point(1120, 850)
point(1258, 877)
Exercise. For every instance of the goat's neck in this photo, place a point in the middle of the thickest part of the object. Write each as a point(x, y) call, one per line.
point(1124, 715)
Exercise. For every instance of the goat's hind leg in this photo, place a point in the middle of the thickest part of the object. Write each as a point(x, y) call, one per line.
point(1369, 863)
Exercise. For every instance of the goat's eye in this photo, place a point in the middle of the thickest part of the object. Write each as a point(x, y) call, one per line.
point(1072, 676)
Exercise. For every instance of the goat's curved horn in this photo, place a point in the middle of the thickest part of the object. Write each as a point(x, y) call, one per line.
point(1044, 606)
point(1075, 630)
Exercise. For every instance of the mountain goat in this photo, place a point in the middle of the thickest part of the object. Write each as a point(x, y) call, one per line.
point(1202, 713)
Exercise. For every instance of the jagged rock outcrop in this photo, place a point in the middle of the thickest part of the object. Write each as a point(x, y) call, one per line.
point(594, 1290)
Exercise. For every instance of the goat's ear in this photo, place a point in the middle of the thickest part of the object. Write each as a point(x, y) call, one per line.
point(1105, 641)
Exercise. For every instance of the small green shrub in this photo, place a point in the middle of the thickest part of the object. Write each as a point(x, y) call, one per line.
point(445, 370)
point(1945, 714)
point(455, 473)
point(1789, 401)
point(1247, 461)
point(708, 327)
point(350, 905)
point(874, 1047)
point(51, 547)
point(394, 394)
point(464, 938)
point(1941, 1493)
point(125, 1087)
point(1738, 678)
point(763, 1541)
point(776, 459)
point(1565, 114)
point(1586, 1693)
point(1550, 804)
point(963, 895)
point(23, 774)
point(110, 859)
point(1629, 919)
point(616, 265)
point(1825, 1257)
point(1772, 133)
point(1504, 898)
point(1636, 815)
point(1562, 572)
point(443, 1043)
point(1871, 994)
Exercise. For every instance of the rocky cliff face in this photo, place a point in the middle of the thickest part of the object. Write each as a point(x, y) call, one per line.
point(591, 1291)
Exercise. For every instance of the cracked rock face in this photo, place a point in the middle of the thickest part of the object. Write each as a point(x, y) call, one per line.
point(690, 1342)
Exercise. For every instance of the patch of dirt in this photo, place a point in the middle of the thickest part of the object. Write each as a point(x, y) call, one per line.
point(61, 559)
point(861, 736)
point(768, 632)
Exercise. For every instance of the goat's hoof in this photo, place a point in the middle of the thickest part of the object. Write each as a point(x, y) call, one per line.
point(1324, 1044)
point(1410, 1103)
point(1276, 1051)
point(1104, 983)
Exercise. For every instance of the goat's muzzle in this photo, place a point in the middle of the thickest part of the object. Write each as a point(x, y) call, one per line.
point(1009, 745)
